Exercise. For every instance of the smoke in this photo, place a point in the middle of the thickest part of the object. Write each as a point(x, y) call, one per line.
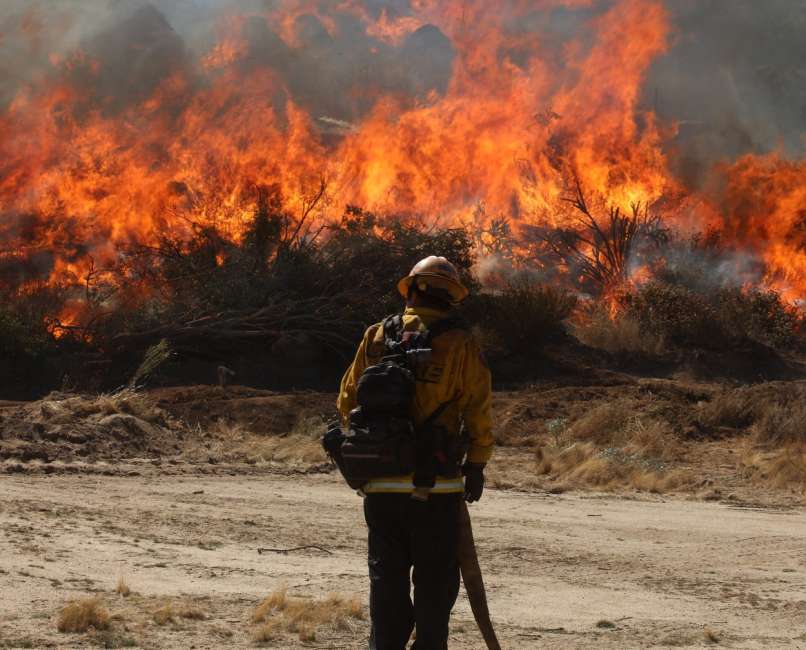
point(699, 265)
point(734, 80)
point(335, 73)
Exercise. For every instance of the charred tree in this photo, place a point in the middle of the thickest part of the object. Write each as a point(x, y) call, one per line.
point(601, 250)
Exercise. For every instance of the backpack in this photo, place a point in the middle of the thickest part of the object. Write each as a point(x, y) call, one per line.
point(381, 439)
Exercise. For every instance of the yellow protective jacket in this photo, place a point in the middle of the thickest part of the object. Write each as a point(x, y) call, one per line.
point(457, 374)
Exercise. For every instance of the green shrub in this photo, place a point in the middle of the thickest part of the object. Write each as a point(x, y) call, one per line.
point(762, 316)
point(27, 348)
point(356, 262)
point(718, 318)
point(369, 255)
point(674, 314)
point(521, 317)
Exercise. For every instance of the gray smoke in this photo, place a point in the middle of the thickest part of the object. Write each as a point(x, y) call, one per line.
point(734, 79)
point(139, 42)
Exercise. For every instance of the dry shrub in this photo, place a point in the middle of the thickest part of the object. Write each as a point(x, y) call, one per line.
point(81, 615)
point(676, 314)
point(583, 464)
point(761, 315)
point(781, 423)
point(620, 335)
point(780, 468)
point(278, 614)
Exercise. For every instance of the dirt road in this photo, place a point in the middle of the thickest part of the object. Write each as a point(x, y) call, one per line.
point(564, 571)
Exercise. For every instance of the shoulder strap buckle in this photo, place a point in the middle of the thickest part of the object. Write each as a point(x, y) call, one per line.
point(392, 334)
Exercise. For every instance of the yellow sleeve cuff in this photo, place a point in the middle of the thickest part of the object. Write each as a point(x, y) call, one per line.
point(479, 454)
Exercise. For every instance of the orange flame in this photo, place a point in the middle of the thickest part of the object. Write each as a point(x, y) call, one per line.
point(515, 120)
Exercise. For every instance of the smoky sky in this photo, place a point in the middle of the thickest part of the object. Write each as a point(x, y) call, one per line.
point(734, 77)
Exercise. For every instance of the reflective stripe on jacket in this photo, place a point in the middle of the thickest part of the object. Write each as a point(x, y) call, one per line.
point(457, 374)
point(404, 485)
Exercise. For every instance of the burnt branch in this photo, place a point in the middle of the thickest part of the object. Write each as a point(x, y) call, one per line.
point(600, 249)
point(319, 319)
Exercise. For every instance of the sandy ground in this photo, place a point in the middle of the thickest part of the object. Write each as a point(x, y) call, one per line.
point(563, 571)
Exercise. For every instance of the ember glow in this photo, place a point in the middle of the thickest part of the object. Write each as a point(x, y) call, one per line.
point(431, 112)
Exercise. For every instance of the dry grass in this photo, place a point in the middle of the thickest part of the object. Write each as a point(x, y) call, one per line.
point(614, 444)
point(300, 446)
point(192, 613)
point(621, 335)
point(710, 635)
point(164, 614)
point(82, 615)
point(730, 408)
point(223, 440)
point(229, 432)
point(586, 465)
point(130, 402)
point(122, 588)
point(773, 412)
point(277, 614)
point(274, 602)
point(652, 439)
point(65, 407)
point(781, 423)
point(603, 423)
point(619, 423)
point(233, 442)
point(781, 468)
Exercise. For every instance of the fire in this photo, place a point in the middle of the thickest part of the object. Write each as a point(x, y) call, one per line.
point(84, 172)
point(766, 198)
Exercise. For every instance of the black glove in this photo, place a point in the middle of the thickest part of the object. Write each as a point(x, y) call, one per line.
point(474, 481)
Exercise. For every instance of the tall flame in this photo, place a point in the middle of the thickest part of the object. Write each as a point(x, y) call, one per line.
point(517, 118)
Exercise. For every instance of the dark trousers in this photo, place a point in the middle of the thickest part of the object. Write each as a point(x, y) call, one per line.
point(404, 533)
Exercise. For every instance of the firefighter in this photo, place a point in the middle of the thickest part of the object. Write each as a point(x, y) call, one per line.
point(412, 528)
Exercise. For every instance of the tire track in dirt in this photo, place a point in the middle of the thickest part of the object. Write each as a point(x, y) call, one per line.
point(650, 572)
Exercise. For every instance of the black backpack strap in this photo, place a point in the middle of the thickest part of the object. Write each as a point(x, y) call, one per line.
point(394, 329)
point(392, 334)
